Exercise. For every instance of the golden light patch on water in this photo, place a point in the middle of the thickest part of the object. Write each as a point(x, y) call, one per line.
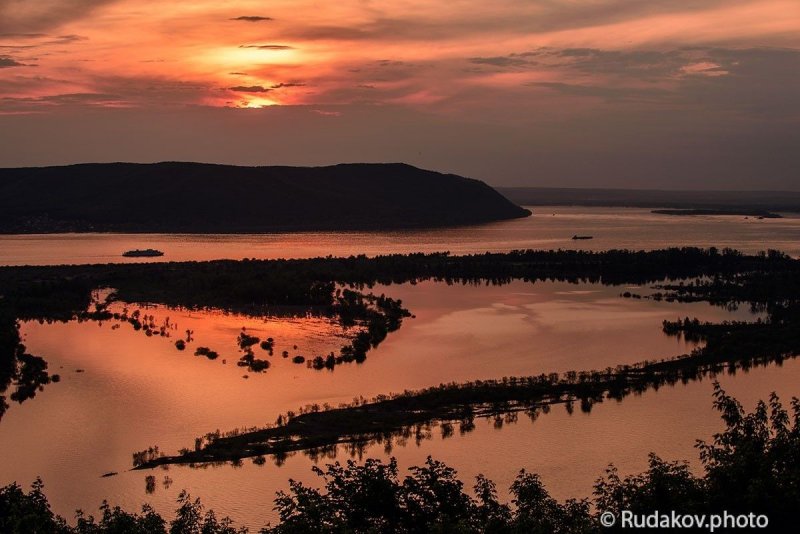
point(297, 331)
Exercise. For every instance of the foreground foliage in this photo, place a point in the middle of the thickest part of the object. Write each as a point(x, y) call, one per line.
point(753, 466)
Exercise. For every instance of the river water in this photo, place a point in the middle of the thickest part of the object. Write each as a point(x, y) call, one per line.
point(549, 228)
point(122, 391)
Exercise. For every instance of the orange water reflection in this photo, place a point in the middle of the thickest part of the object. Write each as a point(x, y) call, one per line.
point(137, 391)
point(551, 227)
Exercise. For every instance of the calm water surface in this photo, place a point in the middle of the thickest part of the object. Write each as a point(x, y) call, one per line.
point(549, 228)
point(137, 391)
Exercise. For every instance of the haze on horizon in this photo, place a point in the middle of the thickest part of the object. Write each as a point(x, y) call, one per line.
point(658, 94)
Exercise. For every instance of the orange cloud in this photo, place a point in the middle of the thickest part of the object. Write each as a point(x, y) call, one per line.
point(147, 53)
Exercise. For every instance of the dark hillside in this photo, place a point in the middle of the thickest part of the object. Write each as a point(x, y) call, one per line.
point(193, 198)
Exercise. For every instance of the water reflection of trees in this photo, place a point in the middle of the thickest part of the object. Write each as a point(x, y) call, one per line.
point(729, 347)
point(365, 321)
point(496, 416)
point(336, 287)
point(749, 471)
point(24, 373)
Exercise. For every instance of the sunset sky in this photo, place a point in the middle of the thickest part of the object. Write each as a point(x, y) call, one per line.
point(603, 93)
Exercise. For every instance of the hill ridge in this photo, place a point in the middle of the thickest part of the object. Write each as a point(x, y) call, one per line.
point(191, 197)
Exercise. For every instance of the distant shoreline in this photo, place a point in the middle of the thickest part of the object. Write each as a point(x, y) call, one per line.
point(733, 202)
point(746, 213)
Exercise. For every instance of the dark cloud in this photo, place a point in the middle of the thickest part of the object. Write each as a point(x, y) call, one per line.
point(67, 39)
point(38, 40)
point(6, 62)
point(76, 98)
point(400, 74)
point(642, 64)
point(502, 61)
point(30, 17)
point(26, 104)
point(628, 94)
point(332, 33)
point(746, 82)
point(26, 83)
point(388, 70)
point(250, 89)
point(17, 47)
point(639, 63)
point(572, 52)
point(556, 16)
point(251, 18)
point(21, 35)
point(759, 82)
point(515, 17)
point(372, 94)
point(269, 47)
point(121, 91)
point(149, 90)
point(284, 85)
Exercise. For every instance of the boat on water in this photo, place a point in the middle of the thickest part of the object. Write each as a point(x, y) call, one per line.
point(146, 253)
point(576, 236)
